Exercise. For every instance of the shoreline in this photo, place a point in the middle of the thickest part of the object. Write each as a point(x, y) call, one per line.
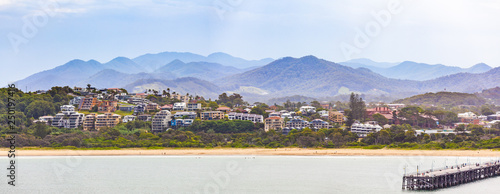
point(254, 151)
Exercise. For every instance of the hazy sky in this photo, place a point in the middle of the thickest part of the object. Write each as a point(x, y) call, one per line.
point(39, 35)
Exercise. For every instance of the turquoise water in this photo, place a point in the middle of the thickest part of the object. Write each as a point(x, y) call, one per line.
point(227, 174)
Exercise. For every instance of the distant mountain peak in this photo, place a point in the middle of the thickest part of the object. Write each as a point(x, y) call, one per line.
point(309, 57)
point(219, 54)
point(121, 59)
point(481, 65)
point(93, 61)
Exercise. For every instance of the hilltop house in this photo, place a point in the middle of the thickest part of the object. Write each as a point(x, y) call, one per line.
point(307, 109)
point(185, 115)
point(179, 106)
point(224, 109)
point(193, 106)
point(245, 117)
point(212, 115)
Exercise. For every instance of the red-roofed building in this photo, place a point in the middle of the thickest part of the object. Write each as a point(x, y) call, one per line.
point(380, 110)
point(141, 95)
point(326, 106)
point(274, 123)
point(224, 109)
point(384, 111)
point(167, 107)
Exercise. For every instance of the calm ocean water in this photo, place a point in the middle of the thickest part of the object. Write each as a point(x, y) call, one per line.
point(227, 174)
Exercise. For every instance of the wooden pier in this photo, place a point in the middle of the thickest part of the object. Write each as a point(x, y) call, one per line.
point(448, 177)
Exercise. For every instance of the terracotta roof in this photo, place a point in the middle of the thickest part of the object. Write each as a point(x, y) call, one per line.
point(223, 108)
point(273, 118)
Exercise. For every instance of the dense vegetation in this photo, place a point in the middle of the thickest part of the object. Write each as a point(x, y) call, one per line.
point(133, 134)
point(236, 133)
point(448, 99)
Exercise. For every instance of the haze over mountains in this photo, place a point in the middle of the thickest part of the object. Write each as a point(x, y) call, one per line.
point(266, 78)
point(412, 70)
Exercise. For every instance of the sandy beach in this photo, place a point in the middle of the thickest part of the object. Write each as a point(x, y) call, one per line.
point(258, 151)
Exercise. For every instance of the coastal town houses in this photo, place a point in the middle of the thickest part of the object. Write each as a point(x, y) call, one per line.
point(89, 122)
point(126, 108)
point(212, 115)
point(68, 118)
point(193, 106)
point(323, 113)
point(275, 114)
point(88, 103)
point(144, 117)
point(152, 107)
point(107, 120)
point(107, 106)
point(45, 119)
point(182, 122)
point(185, 115)
point(493, 117)
point(224, 109)
point(319, 124)
point(255, 118)
point(336, 117)
point(139, 108)
point(274, 122)
point(77, 100)
point(179, 106)
point(363, 129)
point(168, 107)
point(161, 121)
point(182, 98)
point(326, 106)
point(384, 111)
point(467, 117)
point(396, 106)
point(128, 118)
point(307, 109)
point(297, 123)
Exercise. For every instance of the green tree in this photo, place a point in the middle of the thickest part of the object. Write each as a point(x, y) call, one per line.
point(380, 119)
point(41, 130)
point(39, 108)
point(357, 107)
point(213, 105)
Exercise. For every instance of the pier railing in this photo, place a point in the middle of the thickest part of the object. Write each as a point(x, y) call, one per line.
point(450, 176)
